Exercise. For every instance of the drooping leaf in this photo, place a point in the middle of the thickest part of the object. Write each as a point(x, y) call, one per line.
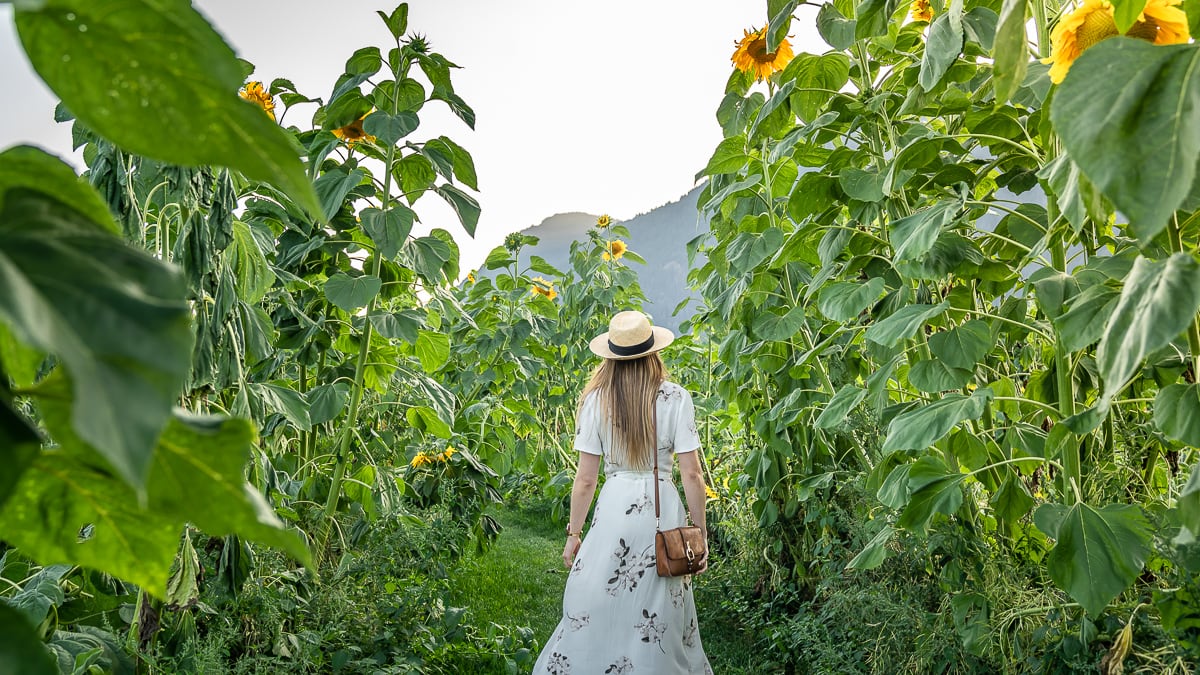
point(944, 45)
point(171, 99)
point(464, 205)
point(333, 186)
point(932, 489)
point(934, 376)
point(433, 349)
point(1097, 553)
point(283, 400)
point(21, 649)
point(779, 14)
point(920, 428)
point(183, 589)
point(352, 293)
point(1083, 324)
point(1012, 501)
point(872, 17)
point(838, 407)
point(964, 345)
point(1077, 198)
point(875, 552)
point(115, 316)
point(1158, 302)
point(250, 267)
point(1177, 413)
point(327, 401)
point(1010, 53)
point(903, 323)
point(1137, 142)
point(845, 300)
point(388, 229)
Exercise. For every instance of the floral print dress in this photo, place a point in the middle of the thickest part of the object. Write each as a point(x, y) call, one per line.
point(619, 616)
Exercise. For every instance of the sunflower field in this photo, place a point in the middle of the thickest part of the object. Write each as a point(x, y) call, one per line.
point(945, 358)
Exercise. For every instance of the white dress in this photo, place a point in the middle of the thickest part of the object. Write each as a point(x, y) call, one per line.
point(619, 616)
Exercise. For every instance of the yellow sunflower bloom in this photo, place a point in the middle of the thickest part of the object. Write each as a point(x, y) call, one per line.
point(254, 92)
point(543, 287)
point(471, 277)
point(921, 11)
point(422, 459)
point(616, 249)
point(1161, 22)
point(710, 493)
point(353, 132)
point(604, 221)
point(751, 55)
point(448, 453)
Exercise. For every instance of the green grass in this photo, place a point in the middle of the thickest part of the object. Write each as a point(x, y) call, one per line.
point(519, 581)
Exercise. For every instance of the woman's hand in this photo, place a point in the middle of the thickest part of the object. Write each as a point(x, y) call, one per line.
point(570, 549)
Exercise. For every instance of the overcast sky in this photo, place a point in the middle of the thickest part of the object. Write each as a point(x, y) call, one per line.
point(601, 107)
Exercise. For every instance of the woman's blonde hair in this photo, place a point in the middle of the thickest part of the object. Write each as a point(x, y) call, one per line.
point(627, 391)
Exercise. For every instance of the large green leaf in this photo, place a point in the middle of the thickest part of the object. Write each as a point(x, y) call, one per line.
point(1084, 322)
point(845, 300)
point(156, 79)
point(1177, 413)
point(875, 552)
point(327, 401)
point(433, 349)
point(1010, 53)
point(69, 508)
point(873, 16)
point(1129, 115)
point(352, 293)
point(834, 27)
point(250, 267)
point(388, 229)
point(333, 186)
point(283, 400)
point(1012, 501)
point(943, 46)
point(465, 206)
point(920, 428)
point(427, 420)
point(21, 649)
point(1189, 502)
point(1076, 196)
point(1158, 302)
point(389, 129)
point(1097, 552)
point(963, 346)
point(115, 316)
point(932, 489)
point(903, 323)
point(845, 400)
point(815, 78)
point(934, 376)
point(19, 444)
point(779, 326)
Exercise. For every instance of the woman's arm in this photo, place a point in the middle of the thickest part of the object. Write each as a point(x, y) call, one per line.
point(693, 487)
point(582, 492)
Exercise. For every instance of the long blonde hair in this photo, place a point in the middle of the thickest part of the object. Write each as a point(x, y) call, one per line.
point(627, 390)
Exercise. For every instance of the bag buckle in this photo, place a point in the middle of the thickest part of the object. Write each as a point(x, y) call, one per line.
point(690, 555)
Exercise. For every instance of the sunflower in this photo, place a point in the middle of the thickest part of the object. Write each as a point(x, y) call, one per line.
point(921, 11)
point(616, 249)
point(1161, 22)
point(448, 453)
point(604, 221)
point(254, 92)
point(471, 277)
point(751, 55)
point(422, 459)
point(710, 493)
point(543, 287)
point(353, 132)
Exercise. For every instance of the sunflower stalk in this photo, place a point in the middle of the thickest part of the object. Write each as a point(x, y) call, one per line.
point(1193, 331)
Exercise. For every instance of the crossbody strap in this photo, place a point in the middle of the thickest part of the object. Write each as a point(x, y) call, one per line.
point(654, 414)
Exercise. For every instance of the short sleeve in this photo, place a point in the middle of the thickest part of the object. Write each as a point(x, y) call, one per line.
point(687, 439)
point(587, 427)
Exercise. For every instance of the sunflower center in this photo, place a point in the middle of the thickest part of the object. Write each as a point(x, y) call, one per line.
point(1146, 30)
point(1096, 26)
point(758, 52)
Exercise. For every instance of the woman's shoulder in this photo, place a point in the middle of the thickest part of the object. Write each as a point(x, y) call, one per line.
point(670, 391)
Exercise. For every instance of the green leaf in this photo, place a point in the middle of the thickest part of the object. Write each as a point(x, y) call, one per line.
point(25, 166)
point(1158, 302)
point(427, 420)
point(875, 552)
point(865, 186)
point(1137, 142)
point(464, 205)
point(196, 477)
point(172, 99)
point(333, 186)
point(748, 250)
point(1097, 553)
point(1189, 501)
point(913, 236)
point(21, 649)
point(872, 17)
point(433, 350)
point(1126, 13)
point(779, 327)
point(817, 79)
point(499, 258)
point(1083, 324)
point(845, 300)
point(1177, 413)
point(1010, 54)
point(838, 407)
point(903, 323)
point(429, 256)
point(183, 591)
point(365, 61)
point(287, 402)
point(115, 316)
point(1077, 198)
point(944, 45)
point(352, 293)
point(1012, 501)
point(328, 400)
point(250, 267)
point(389, 129)
point(388, 229)
point(399, 325)
point(451, 160)
point(933, 376)
point(397, 21)
point(416, 175)
point(932, 489)
point(922, 427)
point(963, 346)
point(729, 157)
point(835, 29)
point(779, 13)
point(19, 444)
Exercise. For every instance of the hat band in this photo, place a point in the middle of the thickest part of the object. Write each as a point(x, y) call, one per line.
point(634, 349)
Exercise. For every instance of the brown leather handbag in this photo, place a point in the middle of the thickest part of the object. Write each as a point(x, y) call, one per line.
point(679, 551)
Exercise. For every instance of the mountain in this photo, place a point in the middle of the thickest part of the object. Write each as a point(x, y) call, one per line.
point(659, 235)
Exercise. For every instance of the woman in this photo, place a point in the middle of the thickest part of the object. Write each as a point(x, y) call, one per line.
point(619, 616)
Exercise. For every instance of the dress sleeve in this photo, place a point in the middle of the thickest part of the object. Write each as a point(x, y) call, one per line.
point(687, 439)
point(587, 428)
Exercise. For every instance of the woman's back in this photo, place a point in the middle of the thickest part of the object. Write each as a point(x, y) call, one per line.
point(675, 428)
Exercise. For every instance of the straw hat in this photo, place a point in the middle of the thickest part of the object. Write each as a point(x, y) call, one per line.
point(630, 336)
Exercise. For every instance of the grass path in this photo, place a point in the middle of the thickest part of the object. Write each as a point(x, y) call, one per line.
point(520, 580)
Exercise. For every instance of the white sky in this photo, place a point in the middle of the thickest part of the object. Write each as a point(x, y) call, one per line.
point(601, 107)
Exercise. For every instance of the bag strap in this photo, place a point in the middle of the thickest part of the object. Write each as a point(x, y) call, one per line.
point(654, 417)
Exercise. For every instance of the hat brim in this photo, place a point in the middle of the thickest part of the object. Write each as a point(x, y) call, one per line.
point(662, 338)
